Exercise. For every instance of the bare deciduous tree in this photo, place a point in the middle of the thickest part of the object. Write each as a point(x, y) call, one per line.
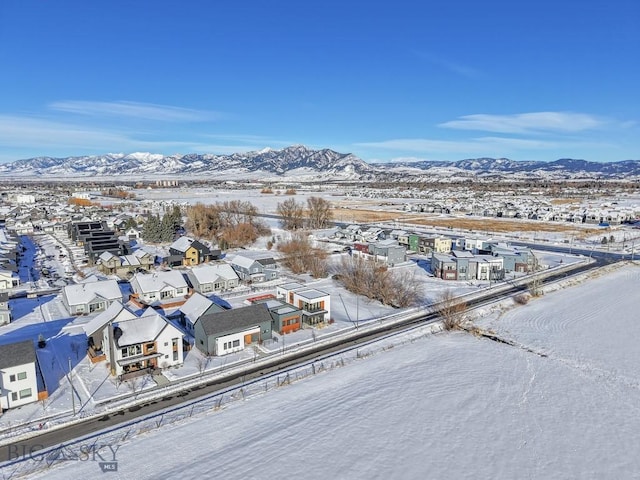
point(291, 213)
point(364, 277)
point(319, 213)
point(230, 224)
point(301, 256)
point(451, 309)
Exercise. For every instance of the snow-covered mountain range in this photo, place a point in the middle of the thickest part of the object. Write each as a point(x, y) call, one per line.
point(302, 163)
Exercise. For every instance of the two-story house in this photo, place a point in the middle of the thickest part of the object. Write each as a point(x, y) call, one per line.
point(5, 311)
point(187, 251)
point(314, 304)
point(135, 345)
point(18, 381)
point(195, 307)
point(255, 267)
point(8, 280)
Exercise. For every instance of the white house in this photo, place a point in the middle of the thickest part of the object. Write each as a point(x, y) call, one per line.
point(159, 287)
point(8, 279)
point(90, 297)
point(18, 381)
point(215, 277)
point(315, 304)
point(142, 343)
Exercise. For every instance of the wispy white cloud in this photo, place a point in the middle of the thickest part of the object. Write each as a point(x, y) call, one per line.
point(528, 123)
point(148, 111)
point(41, 136)
point(450, 65)
point(476, 145)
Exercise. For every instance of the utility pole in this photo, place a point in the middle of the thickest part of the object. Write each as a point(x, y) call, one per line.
point(73, 399)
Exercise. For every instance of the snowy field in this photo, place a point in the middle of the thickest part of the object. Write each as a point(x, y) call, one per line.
point(448, 405)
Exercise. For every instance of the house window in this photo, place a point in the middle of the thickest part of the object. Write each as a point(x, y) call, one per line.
point(14, 396)
point(166, 356)
point(175, 356)
point(131, 351)
point(236, 343)
point(26, 393)
point(12, 378)
point(22, 375)
point(165, 294)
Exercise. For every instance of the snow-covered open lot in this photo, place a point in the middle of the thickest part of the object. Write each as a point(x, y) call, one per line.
point(448, 405)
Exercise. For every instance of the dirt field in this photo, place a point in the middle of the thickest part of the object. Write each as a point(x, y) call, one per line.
point(467, 223)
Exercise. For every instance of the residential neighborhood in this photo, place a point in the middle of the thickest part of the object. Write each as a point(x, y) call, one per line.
point(149, 309)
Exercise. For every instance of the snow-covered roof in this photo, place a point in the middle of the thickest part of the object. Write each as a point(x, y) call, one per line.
point(311, 293)
point(210, 272)
point(83, 293)
point(143, 329)
point(195, 306)
point(116, 312)
point(157, 281)
point(182, 244)
point(130, 260)
point(106, 256)
point(242, 261)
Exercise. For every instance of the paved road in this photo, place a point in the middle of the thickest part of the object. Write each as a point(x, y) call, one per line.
point(272, 366)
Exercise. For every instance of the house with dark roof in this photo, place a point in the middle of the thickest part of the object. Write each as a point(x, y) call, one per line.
point(231, 331)
point(187, 251)
point(18, 381)
point(96, 238)
point(193, 309)
point(5, 311)
point(255, 267)
point(285, 318)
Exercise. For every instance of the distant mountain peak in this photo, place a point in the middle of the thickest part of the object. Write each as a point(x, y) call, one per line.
point(306, 164)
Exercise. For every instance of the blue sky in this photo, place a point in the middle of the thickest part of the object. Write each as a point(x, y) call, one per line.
point(387, 81)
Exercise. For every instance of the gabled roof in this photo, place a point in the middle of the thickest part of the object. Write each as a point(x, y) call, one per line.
point(83, 293)
point(235, 320)
point(211, 272)
point(243, 262)
point(157, 281)
point(246, 258)
point(143, 329)
point(106, 256)
point(182, 244)
point(141, 253)
point(116, 312)
point(17, 353)
point(197, 305)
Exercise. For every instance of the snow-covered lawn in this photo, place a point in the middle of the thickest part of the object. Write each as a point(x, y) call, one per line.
point(448, 405)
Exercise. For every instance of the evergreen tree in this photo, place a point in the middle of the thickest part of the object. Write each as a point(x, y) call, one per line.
point(151, 230)
point(166, 229)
